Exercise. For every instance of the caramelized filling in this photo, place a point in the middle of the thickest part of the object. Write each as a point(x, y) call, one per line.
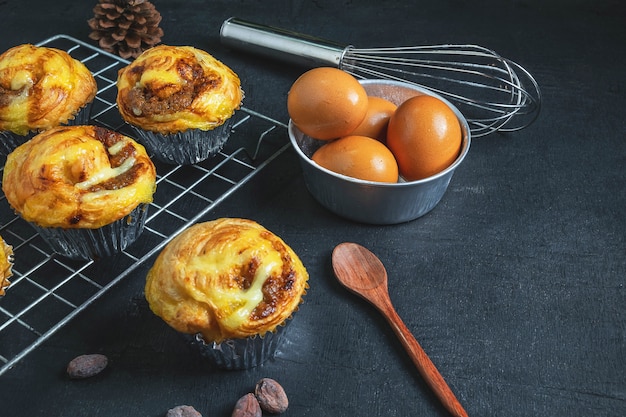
point(106, 136)
point(119, 182)
point(246, 274)
point(166, 98)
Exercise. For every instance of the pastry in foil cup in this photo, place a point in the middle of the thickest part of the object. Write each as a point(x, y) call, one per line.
point(180, 100)
point(229, 286)
point(85, 189)
point(238, 354)
point(97, 243)
point(187, 147)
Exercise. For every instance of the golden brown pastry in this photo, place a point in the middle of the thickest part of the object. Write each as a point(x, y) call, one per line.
point(6, 265)
point(226, 279)
point(170, 89)
point(41, 88)
point(78, 177)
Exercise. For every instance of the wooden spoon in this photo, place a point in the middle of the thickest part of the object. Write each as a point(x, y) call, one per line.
point(360, 271)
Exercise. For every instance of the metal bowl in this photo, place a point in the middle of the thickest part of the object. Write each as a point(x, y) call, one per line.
point(374, 202)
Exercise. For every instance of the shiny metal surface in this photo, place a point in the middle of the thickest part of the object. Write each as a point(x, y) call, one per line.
point(280, 43)
point(372, 202)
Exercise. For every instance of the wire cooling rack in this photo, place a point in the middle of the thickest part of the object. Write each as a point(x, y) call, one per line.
point(48, 290)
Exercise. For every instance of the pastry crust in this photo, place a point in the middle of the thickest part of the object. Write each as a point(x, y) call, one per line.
point(41, 88)
point(226, 279)
point(170, 89)
point(6, 265)
point(78, 177)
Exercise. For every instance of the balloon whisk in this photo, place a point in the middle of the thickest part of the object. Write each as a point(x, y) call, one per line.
point(493, 93)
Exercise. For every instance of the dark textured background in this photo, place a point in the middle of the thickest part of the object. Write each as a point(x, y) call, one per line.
point(514, 284)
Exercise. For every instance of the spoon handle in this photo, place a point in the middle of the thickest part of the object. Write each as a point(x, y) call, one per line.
point(424, 365)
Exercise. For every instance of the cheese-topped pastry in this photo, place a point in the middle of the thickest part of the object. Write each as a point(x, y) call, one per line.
point(170, 89)
point(78, 177)
point(6, 264)
point(226, 279)
point(41, 88)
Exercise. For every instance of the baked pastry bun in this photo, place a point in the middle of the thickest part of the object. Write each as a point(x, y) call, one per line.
point(170, 89)
point(6, 265)
point(226, 279)
point(41, 88)
point(78, 177)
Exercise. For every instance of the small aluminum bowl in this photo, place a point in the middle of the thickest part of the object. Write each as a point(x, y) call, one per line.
point(374, 202)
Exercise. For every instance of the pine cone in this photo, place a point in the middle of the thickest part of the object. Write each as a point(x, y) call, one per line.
point(125, 27)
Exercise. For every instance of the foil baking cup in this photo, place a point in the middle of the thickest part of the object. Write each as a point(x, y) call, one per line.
point(237, 354)
point(81, 243)
point(185, 148)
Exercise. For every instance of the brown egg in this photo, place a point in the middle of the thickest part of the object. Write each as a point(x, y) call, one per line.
point(425, 136)
point(326, 103)
point(358, 157)
point(374, 125)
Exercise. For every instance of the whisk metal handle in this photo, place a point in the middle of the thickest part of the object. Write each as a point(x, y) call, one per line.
point(282, 44)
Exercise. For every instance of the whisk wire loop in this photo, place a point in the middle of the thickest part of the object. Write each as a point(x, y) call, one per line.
point(487, 87)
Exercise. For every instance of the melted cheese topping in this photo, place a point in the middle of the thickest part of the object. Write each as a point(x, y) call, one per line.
point(117, 146)
point(165, 75)
point(21, 80)
point(251, 299)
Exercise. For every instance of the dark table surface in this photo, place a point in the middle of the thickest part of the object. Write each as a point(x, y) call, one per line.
point(513, 284)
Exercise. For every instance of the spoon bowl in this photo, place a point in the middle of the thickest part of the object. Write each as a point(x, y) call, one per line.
point(361, 272)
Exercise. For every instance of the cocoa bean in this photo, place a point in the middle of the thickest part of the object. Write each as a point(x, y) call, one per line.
point(183, 411)
point(271, 396)
point(85, 366)
point(247, 406)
